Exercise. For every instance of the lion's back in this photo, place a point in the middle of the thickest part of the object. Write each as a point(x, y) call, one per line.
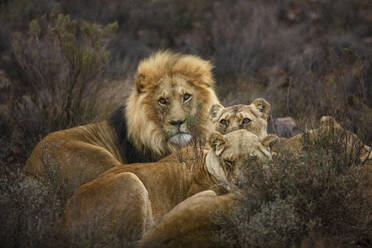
point(71, 157)
point(48, 150)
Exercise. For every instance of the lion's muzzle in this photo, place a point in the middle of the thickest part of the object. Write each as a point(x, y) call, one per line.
point(181, 139)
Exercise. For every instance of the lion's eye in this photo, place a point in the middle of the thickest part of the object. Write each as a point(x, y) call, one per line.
point(223, 122)
point(246, 121)
point(186, 97)
point(162, 101)
point(228, 163)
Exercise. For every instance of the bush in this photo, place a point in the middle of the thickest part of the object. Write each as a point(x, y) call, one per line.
point(318, 191)
point(30, 211)
point(61, 62)
point(332, 81)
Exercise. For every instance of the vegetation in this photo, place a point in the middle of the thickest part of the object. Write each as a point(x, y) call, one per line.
point(72, 63)
point(319, 193)
point(61, 62)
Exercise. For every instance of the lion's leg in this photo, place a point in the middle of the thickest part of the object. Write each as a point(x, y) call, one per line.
point(192, 223)
point(115, 206)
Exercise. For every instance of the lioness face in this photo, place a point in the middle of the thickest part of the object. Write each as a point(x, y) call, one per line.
point(251, 117)
point(176, 101)
point(234, 150)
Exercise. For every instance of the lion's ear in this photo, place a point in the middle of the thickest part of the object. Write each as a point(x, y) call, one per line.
point(214, 110)
point(270, 140)
point(329, 123)
point(140, 83)
point(262, 106)
point(217, 143)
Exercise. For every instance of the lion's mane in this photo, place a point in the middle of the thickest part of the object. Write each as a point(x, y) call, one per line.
point(138, 130)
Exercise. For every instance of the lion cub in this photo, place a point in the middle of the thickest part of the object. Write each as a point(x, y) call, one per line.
point(251, 117)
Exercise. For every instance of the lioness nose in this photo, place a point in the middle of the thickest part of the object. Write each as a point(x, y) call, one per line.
point(177, 123)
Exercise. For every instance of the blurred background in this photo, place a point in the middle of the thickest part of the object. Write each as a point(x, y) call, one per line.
point(72, 62)
point(308, 58)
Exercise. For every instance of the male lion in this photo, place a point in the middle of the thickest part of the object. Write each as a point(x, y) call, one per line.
point(167, 106)
point(127, 200)
point(251, 117)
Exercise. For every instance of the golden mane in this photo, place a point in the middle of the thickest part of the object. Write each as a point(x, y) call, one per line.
point(153, 68)
point(143, 120)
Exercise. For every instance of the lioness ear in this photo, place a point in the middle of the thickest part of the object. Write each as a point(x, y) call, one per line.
point(140, 83)
point(214, 110)
point(270, 140)
point(329, 122)
point(262, 106)
point(217, 142)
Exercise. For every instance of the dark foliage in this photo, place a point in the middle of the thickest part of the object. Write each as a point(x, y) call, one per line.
point(320, 190)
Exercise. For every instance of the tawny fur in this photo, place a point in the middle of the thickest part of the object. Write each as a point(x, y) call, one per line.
point(194, 222)
point(154, 189)
point(328, 125)
point(77, 155)
point(251, 117)
point(156, 75)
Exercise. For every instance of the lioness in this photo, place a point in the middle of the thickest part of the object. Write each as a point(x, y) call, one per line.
point(328, 125)
point(127, 200)
point(251, 117)
point(167, 106)
point(193, 222)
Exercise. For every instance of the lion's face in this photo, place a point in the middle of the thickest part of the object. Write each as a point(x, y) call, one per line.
point(175, 103)
point(251, 117)
point(233, 151)
point(169, 104)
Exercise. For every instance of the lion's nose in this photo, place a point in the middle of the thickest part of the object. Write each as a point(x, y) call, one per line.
point(177, 123)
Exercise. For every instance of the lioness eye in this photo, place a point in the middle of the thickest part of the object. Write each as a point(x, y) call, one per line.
point(246, 121)
point(186, 97)
point(162, 101)
point(223, 122)
point(228, 163)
